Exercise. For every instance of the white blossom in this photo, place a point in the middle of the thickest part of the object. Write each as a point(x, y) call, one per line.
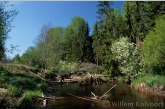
point(127, 55)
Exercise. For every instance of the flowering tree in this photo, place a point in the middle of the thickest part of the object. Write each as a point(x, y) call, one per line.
point(127, 55)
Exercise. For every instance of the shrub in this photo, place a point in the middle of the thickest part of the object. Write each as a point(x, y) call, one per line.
point(127, 55)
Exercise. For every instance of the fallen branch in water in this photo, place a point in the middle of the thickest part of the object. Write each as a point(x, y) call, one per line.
point(59, 82)
point(107, 91)
point(52, 98)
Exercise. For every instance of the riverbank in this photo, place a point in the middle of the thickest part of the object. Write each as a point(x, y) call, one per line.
point(21, 87)
point(151, 84)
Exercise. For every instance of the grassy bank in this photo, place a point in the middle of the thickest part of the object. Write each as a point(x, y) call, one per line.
point(150, 80)
point(152, 84)
point(21, 86)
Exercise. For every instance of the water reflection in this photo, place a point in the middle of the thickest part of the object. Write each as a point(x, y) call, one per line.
point(122, 97)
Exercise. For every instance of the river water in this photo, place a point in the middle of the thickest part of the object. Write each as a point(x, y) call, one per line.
point(121, 97)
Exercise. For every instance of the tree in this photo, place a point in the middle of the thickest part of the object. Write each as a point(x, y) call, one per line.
point(154, 9)
point(76, 34)
point(55, 48)
point(153, 47)
point(6, 18)
point(42, 43)
point(136, 19)
point(31, 57)
point(104, 36)
point(140, 18)
point(96, 42)
point(16, 58)
point(24, 59)
point(128, 56)
point(87, 49)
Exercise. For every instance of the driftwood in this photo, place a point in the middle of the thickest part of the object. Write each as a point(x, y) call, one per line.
point(90, 79)
point(42, 101)
point(107, 91)
point(95, 98)
point(50, 98)
point(59, 82)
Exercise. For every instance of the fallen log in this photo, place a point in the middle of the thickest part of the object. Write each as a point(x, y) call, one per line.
point(59, 82)
point(50, 98)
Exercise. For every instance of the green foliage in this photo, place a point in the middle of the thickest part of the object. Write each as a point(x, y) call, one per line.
point(120, 79)
point(128, 56)
point(153, 48)
point(108, 29)
point(13, 90)
point(6, 18)
point(97, 70)
point(16, 58)
point(3, 72)
point(66, 66)
point(104, 79)
point(76, 42)
point(30, 57)
point(27, 98)
point(18, 81)
point(136, 19)
point(43, 86)
point(73, 43)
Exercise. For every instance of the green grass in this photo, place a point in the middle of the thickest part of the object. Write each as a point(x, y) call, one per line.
point(150, 80)
point(21, 84)
point(14, 91)
point(17, 82)
point(27, 98)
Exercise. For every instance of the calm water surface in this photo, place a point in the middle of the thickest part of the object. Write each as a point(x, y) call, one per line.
point(121, 97)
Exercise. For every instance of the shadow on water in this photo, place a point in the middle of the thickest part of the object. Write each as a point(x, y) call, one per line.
point(121, 97)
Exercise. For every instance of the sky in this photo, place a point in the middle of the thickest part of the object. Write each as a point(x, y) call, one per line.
point(33, 15)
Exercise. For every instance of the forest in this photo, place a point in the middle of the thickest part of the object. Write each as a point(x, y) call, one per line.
point(127, 43)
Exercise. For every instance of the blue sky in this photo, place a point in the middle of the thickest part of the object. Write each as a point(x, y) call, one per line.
point(33, 15)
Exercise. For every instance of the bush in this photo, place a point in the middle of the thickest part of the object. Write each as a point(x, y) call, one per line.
point(127, 55)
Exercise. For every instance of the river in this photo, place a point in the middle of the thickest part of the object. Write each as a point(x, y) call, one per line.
point(121, 97)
